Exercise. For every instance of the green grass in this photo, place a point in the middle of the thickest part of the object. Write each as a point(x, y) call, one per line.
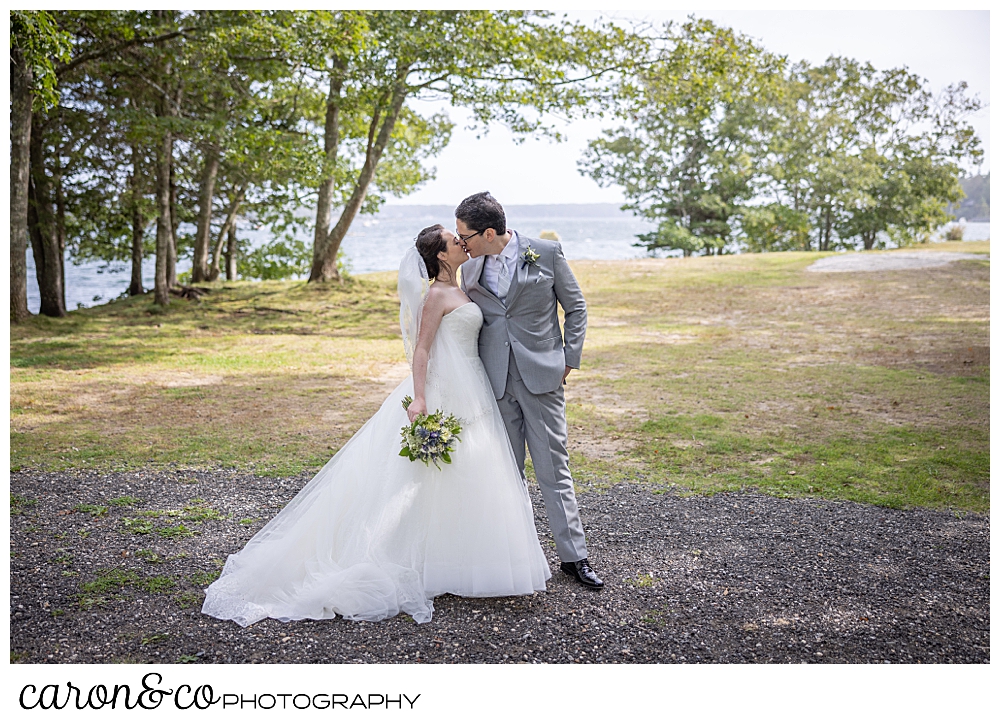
point(158, 584)
point(700, 375)
point(135, 526)
point(644, 580)
point(114, 582)
point(19, 502)
point(125, 501)
point(203, 578)
point(111, 580)
point(899, 467)
point(731, 373)
point(144, 554)
point(199, 512)
point(94, 510)
point(189, 599)
point(181, 378)
point(176, 531)
point(196, 511)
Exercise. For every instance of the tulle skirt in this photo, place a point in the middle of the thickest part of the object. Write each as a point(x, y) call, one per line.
point(374, 534)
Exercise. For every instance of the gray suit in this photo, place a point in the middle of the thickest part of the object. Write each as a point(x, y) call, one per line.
point(525, 355)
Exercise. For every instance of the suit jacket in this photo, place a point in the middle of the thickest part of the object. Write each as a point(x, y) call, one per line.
point(529, 323)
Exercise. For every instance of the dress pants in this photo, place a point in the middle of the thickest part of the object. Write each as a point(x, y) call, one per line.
point(540, 421)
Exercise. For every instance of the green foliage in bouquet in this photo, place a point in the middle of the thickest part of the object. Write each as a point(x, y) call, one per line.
point(430, 438)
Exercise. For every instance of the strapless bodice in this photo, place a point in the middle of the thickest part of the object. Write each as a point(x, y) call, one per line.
point(463, 324)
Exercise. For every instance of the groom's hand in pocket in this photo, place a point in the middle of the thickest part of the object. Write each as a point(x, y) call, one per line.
point(566, 373)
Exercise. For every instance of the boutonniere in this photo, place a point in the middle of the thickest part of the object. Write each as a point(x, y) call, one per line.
point(529, 257)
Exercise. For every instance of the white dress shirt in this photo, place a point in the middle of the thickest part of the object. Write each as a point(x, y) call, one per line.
point(491, 270)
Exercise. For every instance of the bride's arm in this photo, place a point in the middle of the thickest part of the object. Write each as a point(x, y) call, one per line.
point(430, 320)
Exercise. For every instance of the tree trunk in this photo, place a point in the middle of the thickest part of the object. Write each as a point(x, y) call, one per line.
point(203, 236)
point(41, 227)
point(868, 238)
point(138, 224)
point(234, 207)
point(174, 223)
point(828, 229)
point(231, 254)
point(60, 229)
point(21, 78)
point(331, 141)
point(326, 269)
point(164, 225)
point(803, 235)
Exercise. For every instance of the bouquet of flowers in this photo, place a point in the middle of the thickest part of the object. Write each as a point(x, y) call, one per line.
point(430, 437)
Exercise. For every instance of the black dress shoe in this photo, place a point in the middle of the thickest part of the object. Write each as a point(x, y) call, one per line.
point(582, 572)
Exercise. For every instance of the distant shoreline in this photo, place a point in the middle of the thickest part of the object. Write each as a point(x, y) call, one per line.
point(540, 211)
point(513, 211)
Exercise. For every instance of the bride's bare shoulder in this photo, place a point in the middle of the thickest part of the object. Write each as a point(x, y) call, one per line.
point(434, 301)
point(445, 298)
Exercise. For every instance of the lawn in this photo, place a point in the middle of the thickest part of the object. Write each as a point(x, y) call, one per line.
point(699, 375)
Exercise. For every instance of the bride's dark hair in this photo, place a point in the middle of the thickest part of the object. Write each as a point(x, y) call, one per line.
point(430, 242)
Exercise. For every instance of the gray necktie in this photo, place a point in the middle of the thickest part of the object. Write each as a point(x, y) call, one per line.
point(503, 280)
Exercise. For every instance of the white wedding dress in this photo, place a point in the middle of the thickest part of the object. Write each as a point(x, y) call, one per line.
point(374, 534)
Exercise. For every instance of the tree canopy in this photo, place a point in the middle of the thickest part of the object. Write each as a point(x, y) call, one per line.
point(727, 146)
point(158, 132)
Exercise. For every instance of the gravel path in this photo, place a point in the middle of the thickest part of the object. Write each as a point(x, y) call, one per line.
point(869, 261)
point(730, 578)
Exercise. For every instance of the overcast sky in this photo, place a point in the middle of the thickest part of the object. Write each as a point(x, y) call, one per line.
point(942, 46)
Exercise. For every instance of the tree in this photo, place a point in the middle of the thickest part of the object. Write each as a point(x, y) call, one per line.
point(497, 62)
point(94, 36)
point(252, 102)
point(35, 42)
point(772, 227)
point(914, 143)
point(868, 154)
point(105, 164)
point(695, 133)
point(724, 142)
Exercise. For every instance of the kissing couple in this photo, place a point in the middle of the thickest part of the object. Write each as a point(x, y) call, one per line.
point(374, 534)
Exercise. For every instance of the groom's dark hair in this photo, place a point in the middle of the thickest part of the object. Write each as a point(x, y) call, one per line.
point(481, 212)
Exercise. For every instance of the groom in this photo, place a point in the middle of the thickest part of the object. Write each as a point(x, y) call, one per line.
point(517, 281)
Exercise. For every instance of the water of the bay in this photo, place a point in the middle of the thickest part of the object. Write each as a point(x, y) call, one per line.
point(376, 243)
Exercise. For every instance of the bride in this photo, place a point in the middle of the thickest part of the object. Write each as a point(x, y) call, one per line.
point(373, 533)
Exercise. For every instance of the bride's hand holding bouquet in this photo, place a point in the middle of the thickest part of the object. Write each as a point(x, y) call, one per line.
point(415, 409)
